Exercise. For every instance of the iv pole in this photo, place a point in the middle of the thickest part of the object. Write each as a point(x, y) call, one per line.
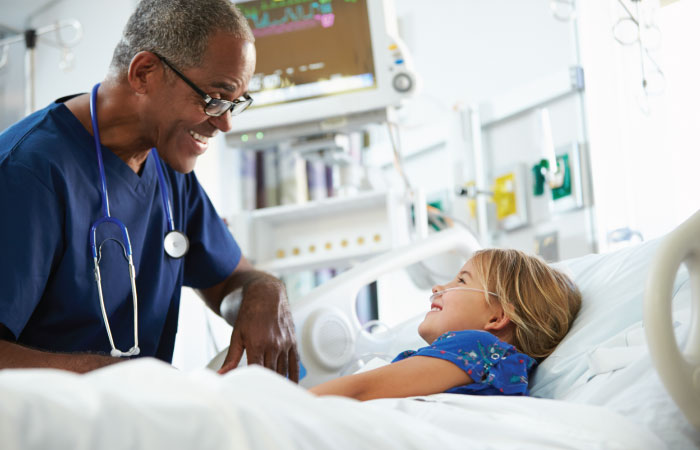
point(30, 37)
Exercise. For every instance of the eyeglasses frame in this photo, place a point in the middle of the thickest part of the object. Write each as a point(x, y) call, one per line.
point(208, 100)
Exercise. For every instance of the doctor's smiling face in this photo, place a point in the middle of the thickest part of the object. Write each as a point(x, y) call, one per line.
point(462, 306)
point(180, 129)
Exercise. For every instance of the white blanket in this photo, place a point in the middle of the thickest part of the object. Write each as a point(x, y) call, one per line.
point(145, 404)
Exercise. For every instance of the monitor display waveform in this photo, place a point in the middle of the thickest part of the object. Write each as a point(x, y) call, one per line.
point(290, 18)
point(309, 48)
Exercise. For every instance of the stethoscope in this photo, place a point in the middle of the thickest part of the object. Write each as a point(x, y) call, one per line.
point(175, 242)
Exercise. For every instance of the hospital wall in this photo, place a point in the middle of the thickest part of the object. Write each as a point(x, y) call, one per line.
point(11, 92)
point(645, 164)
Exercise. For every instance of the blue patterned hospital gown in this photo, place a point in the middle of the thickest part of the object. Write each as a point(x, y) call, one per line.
point(496, 367)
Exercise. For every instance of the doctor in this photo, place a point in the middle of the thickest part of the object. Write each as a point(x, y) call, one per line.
point(104, 220)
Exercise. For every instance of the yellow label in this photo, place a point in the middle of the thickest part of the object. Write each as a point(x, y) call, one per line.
point(504, 196)
point(471, 203)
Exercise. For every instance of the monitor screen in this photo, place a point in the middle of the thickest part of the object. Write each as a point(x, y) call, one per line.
point(309, 49)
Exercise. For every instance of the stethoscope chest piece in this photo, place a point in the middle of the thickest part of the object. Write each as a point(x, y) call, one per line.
point(176, 244)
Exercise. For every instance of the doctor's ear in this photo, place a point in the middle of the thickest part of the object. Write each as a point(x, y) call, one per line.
point(145, 68)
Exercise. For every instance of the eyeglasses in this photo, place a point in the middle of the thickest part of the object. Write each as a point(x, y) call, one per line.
point(213, 107)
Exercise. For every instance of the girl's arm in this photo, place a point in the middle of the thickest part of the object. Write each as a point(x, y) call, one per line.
point(417, 375)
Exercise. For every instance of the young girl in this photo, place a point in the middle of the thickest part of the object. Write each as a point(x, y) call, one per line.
point(487, 329)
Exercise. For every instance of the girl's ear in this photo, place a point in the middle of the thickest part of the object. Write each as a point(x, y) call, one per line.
point(498, 321)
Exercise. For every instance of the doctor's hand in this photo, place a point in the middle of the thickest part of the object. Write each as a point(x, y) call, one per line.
point(265, 330)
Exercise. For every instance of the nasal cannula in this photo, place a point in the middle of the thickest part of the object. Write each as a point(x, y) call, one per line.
point(439, 293)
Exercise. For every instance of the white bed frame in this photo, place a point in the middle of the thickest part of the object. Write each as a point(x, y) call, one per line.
point(326, 319)
point(679, 371)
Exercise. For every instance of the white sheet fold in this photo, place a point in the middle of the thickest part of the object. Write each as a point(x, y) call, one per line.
point(145, 404)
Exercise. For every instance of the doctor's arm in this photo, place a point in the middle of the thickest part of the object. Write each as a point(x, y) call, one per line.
point(15, 356)
point(264, 327)
point(417, 375)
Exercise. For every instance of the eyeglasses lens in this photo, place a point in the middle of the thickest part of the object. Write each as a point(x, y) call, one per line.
point(218, 107)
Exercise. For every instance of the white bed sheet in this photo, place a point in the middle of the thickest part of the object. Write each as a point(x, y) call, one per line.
point(145, 404)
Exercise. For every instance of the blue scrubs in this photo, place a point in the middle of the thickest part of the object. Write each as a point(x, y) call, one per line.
point(49, 197)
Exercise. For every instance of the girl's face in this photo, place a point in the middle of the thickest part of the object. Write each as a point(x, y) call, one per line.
point(459, 310)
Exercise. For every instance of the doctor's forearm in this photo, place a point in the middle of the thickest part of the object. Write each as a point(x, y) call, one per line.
point(244, 277)
point(15, 356)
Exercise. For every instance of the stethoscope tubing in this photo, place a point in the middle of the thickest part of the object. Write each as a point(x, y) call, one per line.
point(164, 191)
point(106, 217)
point(98, 147)
point(103, 179)
point(175, 243)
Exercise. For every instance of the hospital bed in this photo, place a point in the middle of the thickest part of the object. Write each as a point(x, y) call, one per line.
point(618, 379)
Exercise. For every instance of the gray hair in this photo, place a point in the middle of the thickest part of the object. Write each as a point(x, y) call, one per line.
point(178, 30)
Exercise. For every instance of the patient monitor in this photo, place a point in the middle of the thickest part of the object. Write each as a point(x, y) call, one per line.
point(321, 66)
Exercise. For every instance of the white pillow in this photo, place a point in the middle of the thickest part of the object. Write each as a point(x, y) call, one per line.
point(621, 377)
point(612, 286)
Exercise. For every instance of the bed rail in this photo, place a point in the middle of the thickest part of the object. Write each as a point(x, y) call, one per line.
point(326, 318)
point(678, 369)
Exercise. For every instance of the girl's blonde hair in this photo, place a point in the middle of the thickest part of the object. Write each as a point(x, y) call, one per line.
point(539, 300)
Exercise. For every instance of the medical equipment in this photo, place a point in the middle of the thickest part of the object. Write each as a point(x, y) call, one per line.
point(440, 293)
point(30, 38)
point(311, 78)
point(175, 242)
point(332, 232)
point(634, 29)
point(563, 10)
point(519, 213)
